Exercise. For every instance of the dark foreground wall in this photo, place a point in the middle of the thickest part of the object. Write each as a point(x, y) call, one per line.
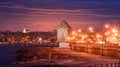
point(111, 52)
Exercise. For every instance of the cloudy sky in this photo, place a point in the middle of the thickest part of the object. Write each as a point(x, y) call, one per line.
point(45, 15)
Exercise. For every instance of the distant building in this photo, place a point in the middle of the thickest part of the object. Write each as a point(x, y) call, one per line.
point(63, 31)
point(25, 30)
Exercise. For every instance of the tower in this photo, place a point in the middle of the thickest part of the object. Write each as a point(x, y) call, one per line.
point(24, 30)
point(63, 33)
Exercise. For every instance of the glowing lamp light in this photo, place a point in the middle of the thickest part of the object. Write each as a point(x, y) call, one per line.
point(68, 38)
point(98, 35)
point(40, 39)
point(116, 34)
point(73, 32)
point(114, 30)
point(79, 30)
point(107, 26)
point(102, 42)
point(90, 29)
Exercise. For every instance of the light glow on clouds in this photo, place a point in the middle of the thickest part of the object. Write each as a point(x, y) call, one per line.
point(45, 15)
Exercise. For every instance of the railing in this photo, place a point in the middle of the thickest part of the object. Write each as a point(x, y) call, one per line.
point(107, 65)
point(111, 52)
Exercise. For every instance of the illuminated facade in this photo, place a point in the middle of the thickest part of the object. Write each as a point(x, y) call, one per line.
point(25, 30)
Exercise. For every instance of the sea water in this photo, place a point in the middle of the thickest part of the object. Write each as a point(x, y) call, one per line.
point(7, 54)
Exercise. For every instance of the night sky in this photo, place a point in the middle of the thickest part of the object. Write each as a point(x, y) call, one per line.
point(45, 15)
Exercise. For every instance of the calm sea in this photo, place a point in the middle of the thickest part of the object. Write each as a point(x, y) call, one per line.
point(7, 53)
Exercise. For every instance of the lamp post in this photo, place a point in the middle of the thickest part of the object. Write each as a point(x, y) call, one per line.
point(102, 48)
point(102, 43)
point(119, 59)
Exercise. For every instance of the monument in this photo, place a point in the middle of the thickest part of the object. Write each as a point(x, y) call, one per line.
point(63, 31)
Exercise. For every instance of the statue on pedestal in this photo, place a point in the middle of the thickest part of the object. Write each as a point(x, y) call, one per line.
point(63, 31)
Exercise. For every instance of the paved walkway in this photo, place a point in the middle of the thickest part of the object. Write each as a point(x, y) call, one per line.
point(86, 59)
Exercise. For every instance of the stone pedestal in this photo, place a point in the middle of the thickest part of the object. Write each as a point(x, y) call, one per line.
point(63, 45)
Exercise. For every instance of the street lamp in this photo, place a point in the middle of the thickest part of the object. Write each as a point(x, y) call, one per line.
point(114, 30)
point(90, 29)
point(79, 30)
point(107, 26)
